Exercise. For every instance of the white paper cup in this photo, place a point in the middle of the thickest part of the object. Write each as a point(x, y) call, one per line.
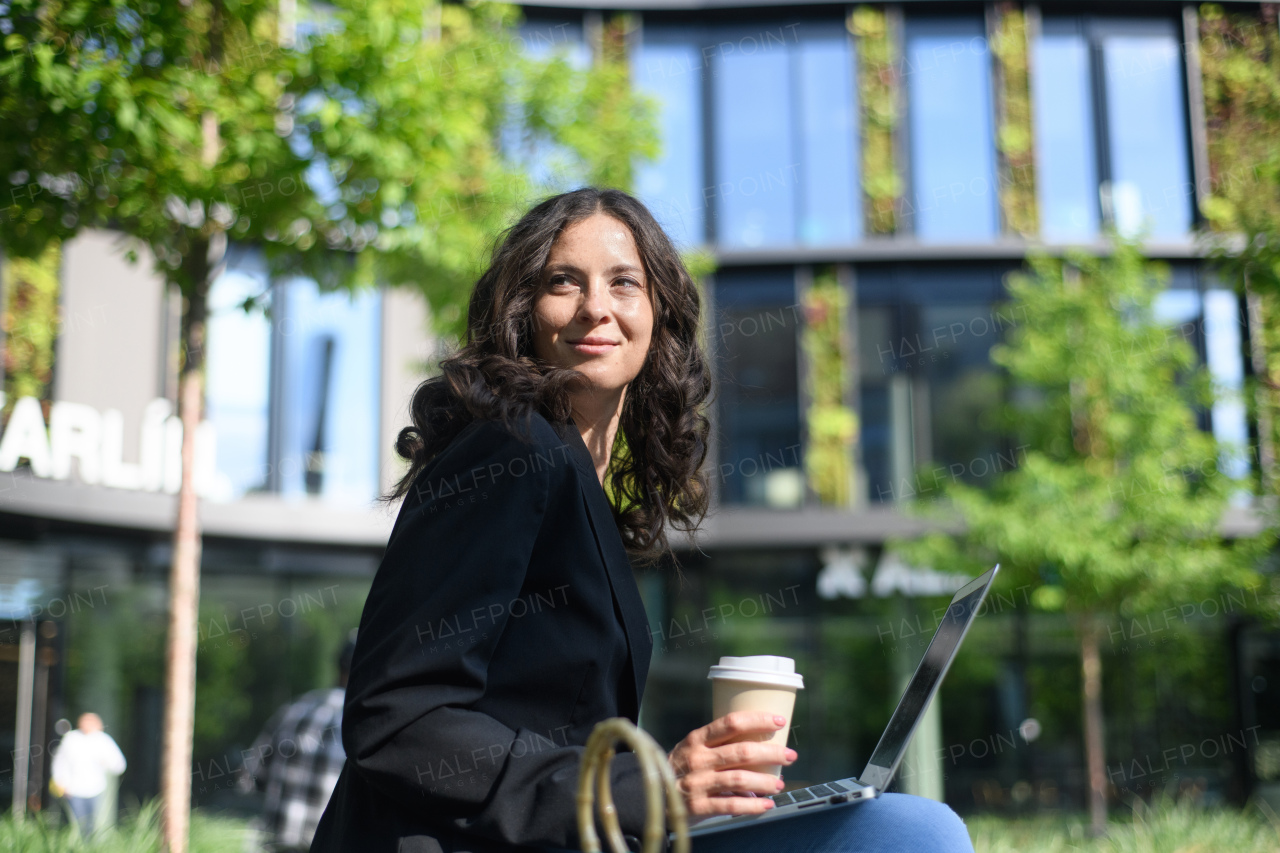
point(756, 683)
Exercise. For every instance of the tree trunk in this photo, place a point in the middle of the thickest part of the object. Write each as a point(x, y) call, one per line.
point(184, 573)
point(1085, 437)
point(1266, 394)
point(1095, 750)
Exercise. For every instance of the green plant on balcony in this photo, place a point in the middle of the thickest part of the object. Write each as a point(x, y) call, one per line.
point(878, 103)
point(30, 321)
point(833, 426)
point(1014, 135)
point(613, 104)
point(1240, 62)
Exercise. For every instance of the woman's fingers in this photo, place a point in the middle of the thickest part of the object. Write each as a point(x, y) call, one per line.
point(746, 753)
point(728, 801)
point(738, 723)
point(730, 806)
point(690, 756)
point(728, 781)
point(712, 772)
point(721, 731)
point(742, 754)
point(722, 785)
point(744, 781)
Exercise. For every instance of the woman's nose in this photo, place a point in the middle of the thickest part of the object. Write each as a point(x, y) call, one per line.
point(595, 302)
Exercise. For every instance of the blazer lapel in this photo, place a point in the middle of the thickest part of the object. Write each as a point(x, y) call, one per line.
point(635, 622)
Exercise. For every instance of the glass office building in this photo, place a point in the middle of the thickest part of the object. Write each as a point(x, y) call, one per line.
point(304, 393)
point(764, 114)
point(769, 160)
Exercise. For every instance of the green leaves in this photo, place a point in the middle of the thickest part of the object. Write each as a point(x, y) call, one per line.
point(832, 425)
point(402, 103)
point(1240, 58)
point(1119, 493)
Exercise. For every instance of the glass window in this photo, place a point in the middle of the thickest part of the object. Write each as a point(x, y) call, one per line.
point(928, 389)
point(1066, 171)
point(876, 363)
point(1116, 146)
point(237, 394)
point(759, 411)
point(948, 79)
point(284, 415)
point(830, 197)
point(756, 166)
point(965, 389)
point(1210, 322)
point(1150, 187)
point(547, 163)
point(1225, 360)
point(668, 67)
point(329, 396)
point(785, 138)
point(1179, 309)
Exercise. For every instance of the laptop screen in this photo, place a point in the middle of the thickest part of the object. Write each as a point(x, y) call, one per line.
point(937, 658)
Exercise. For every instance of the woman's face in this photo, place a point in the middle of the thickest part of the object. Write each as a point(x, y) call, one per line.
point(593, 311)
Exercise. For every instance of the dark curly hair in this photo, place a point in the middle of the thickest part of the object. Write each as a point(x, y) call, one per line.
point(657, 477)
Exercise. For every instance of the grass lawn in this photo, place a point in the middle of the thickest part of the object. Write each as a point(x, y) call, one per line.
point(136, 833)
point(1165, 828)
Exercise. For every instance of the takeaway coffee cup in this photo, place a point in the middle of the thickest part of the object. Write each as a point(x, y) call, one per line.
point(756, 683)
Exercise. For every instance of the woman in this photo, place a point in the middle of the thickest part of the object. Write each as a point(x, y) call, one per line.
point(504, 621)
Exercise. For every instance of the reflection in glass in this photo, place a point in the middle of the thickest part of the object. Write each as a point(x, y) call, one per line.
point(237, 393)
point(1226, 366)
point(759, 417)
point(672, 185)
point(1217, 312)
point(785, 148)
point(928, 390)
point(1150, 183)
point(1066, 173)
point(965, 390)
point(756, 166)
point(952, 149)
point(330, 395)
point(1179, 309)
point(829, 191)
point(876, 351)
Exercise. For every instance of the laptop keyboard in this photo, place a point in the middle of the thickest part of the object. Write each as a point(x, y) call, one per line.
point(812, 792)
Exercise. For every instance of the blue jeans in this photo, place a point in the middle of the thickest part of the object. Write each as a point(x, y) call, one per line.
point(891, 823)
point(82, 809)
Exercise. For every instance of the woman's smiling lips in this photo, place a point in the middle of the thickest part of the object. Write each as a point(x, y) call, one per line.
point(592, 346)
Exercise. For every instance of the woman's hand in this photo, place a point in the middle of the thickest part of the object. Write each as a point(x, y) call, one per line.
point(704, 764)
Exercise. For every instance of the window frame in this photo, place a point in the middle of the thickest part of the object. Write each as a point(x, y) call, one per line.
point(908, 224)
point(1094, 28)
point(707, 33)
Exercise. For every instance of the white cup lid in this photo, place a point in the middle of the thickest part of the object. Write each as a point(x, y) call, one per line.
point(766, 669)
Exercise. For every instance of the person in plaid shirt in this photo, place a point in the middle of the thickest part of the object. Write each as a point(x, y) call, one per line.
point(297, 759)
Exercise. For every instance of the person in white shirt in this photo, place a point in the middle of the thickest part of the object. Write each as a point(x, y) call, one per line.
point(84, 759)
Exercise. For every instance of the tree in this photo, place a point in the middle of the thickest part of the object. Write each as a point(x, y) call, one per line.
point(1116, 502)
point(366, 148)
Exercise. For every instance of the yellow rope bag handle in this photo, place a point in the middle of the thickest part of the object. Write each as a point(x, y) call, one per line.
point(653, 765)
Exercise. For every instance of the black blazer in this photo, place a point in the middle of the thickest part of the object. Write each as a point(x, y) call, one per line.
point(503, 623)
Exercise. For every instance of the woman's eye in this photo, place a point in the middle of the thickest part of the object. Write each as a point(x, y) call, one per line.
point(629, 281)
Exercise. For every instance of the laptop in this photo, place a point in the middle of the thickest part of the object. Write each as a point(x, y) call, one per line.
point(886, 757)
